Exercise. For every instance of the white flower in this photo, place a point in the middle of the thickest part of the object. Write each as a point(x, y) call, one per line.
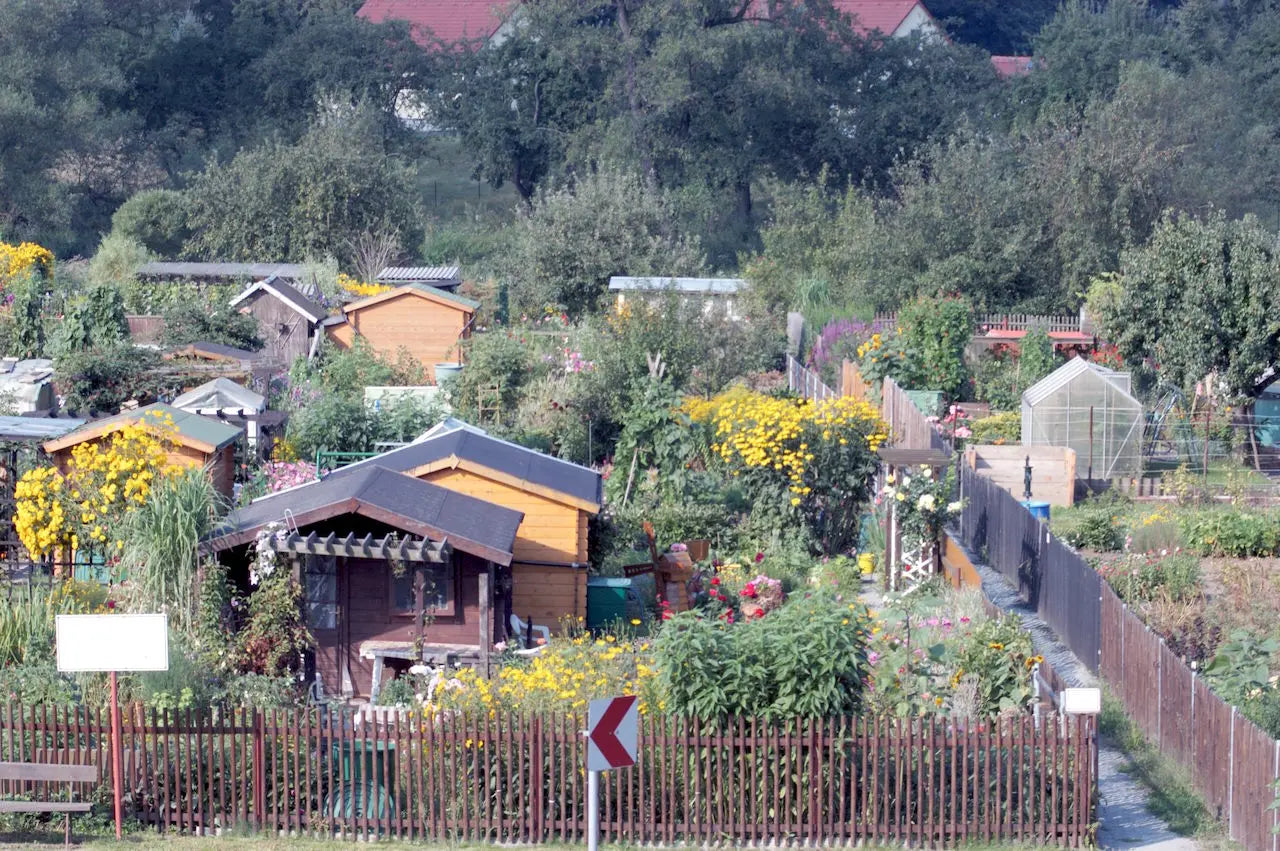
point(906, 481)
point(953, 507)
point(925, 502)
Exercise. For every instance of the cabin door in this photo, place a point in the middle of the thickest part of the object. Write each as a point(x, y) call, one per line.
point(321, 602)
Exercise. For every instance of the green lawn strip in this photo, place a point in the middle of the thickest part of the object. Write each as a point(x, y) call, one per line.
point(1171, 795)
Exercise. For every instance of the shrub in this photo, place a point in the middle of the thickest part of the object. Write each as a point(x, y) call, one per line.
point(997, 429)
point(1150, 576)
point(154, 218)
point(798, 460)
point(190, 321)
point(1239, 534)
point(808, 659)
point(1095, 524)
point(36, 684)
point(27, 618)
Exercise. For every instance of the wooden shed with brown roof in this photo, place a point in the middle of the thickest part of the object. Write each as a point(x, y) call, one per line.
point(200, 441)
point(394, 570)
point(428, 322)
point(288, 320)
point(558, 498)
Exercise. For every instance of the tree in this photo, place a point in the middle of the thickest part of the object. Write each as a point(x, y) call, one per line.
point(1202, 298)
point(287, 201)
point(575, 237)
point(192, 322)
point(156, 219)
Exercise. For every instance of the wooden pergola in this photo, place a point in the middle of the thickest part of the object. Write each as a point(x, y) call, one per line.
point(385, 547)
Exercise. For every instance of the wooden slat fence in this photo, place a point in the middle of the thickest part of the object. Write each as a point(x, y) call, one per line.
point(1233, 764)
point(520, 779)
point(1008, 321)
point(806, 383)
point(907, 425)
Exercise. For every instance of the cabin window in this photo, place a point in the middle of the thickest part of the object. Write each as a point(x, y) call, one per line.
point(321, 590)
point(438, 582)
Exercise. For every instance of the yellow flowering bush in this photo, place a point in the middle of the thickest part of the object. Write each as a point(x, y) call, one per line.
point(105, 479)
point(359, 288)
point(811, 460)
point(568, 674)
point(26, 256)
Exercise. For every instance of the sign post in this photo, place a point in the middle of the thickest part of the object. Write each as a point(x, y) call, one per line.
point(113, 643)
point(612, 742)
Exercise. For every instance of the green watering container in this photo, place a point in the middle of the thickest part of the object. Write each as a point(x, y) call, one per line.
point(367, 783)
point(611, 600)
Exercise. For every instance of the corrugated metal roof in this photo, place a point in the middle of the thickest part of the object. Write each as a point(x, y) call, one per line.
point(294, 271)
point(469, 524)
point(708, 286)
point(410, 274)
point(37, 428)
point(467, 442)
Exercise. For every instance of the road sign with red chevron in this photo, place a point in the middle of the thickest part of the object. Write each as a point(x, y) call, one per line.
point(612, 733)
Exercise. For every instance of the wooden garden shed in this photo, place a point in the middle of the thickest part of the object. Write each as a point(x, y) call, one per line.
point(557, 498)
point(288, 320)
point(427, 321)
point(394, 570)
point(201, 441)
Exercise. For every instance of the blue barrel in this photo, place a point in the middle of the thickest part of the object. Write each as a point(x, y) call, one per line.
point(1039, 510)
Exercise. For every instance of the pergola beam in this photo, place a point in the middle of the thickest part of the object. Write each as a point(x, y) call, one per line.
point(394, 546)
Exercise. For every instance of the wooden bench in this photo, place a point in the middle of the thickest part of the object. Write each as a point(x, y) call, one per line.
point(36, 772)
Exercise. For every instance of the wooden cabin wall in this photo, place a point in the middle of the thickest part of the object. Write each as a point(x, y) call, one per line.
point(426, 329)
point(272, 314)
point(551, 532)
point(365, 613)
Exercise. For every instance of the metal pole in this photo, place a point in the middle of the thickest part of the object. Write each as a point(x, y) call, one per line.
point(593, 810)
point(1090, 443)
point(117, 774)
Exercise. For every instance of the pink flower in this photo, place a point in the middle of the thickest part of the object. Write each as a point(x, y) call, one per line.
point(964, 620)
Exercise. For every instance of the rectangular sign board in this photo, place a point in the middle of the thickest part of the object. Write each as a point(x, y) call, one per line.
point(112, 642)
point(612, 732)
point(1082, 701)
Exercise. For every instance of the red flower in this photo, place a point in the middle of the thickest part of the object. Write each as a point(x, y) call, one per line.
point(111, 604)
point(715, 580)
point(666, 615)
point(749, 590)
point(759, 557)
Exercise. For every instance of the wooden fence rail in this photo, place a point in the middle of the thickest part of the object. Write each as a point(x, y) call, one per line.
point(806, 383)
point(1232, 762)
point(520, 778)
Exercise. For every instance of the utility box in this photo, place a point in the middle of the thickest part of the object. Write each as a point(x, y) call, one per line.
point(611, 600)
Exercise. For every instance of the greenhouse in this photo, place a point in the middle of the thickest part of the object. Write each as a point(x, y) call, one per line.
point(1091, 410)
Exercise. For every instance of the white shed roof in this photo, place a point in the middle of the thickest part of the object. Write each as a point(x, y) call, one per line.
point(221, 394)
point(425, 274)
point(706, 286)
point(1072, 369)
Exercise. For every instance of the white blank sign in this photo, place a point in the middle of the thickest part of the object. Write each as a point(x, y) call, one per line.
point(1081, 701)
point(112, 642)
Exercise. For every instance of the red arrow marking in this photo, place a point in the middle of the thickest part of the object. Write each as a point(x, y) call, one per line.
point(605, 733)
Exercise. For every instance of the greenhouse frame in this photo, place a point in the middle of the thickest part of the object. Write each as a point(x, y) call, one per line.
point(1091, 410)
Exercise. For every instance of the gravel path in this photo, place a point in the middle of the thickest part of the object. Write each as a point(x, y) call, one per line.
point(1124, 820)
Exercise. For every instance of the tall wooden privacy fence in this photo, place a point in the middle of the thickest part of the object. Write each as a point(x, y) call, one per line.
point(1233, 763)
point(520, 778)
point(907, 425)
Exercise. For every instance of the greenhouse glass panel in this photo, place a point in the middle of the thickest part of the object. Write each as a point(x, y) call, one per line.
point(1089, 409)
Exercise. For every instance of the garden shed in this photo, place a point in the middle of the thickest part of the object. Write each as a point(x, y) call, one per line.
point(201, 441)
point(391, 568)
point(223, 399)
point(1089, 409)
point(288, 319)
point(428, 322)
point(558, 499)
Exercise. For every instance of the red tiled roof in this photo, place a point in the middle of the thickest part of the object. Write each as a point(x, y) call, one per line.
point(883, 15)
point(449, 20)
point(1013, 66)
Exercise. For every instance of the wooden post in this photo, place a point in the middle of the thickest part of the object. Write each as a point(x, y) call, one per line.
point(486, 612)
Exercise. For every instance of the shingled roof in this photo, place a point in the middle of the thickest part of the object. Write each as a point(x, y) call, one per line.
point(410, 505)
point(466, 445)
